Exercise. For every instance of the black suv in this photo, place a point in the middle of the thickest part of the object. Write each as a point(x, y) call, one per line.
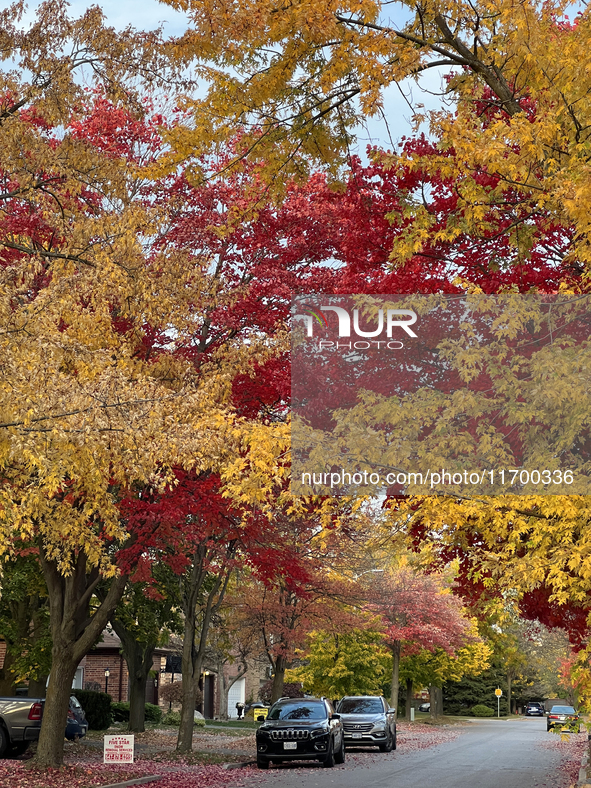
point(303, 729)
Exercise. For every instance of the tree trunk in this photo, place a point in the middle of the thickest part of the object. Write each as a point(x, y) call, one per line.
point(193, 654)
point(278, 678)
point(191, 670)
point(50, 750)
point(38, 687)
point(6, 676)
point(434, 710)
point(408, 698)
point(74, 632)
point(395, 683)
point(226, 686)
point(509, 698)
point(139, 658)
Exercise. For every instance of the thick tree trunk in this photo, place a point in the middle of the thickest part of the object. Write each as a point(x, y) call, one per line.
point(50, 750)
point(395, 682)
point(408, 698)
point(74, 632)
point(137, 700)
point(278, 678)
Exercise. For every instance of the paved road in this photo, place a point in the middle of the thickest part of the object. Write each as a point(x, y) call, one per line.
point(487, 754)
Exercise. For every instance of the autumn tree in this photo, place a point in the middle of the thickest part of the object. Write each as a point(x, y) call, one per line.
point(334, 664)
point(95, 399)
point(416, 612)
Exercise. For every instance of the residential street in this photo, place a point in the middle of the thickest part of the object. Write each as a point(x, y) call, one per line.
point(487, 754)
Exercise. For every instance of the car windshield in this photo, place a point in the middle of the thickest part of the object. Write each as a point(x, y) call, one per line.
point(298, 710)
point(562, 710)
point(361, 706)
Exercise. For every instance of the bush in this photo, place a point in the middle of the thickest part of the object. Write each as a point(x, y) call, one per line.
point(97, 708)
point(480, 710)
point(174, 718)
point(120, 711)
point(173, 693)
point(153, 713)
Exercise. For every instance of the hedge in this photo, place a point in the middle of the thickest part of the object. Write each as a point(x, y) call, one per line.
point(97, 708)
point(120, 711)
point(480, 710)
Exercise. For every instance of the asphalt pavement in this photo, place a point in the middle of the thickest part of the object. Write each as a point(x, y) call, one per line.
point(487, 754)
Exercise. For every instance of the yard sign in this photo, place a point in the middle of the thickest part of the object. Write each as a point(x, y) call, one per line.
point(118, 749)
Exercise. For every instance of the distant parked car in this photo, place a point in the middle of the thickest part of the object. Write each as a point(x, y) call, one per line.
point(77, 724)
point(425, 707)
point(534, 709)
point(562, 716)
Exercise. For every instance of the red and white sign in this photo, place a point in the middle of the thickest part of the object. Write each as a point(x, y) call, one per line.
point(118, 749)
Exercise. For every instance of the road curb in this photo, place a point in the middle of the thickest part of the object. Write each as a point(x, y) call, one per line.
point(136, 781)
point(583, 772)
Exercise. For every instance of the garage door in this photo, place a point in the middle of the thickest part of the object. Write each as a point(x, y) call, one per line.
point(235, 695)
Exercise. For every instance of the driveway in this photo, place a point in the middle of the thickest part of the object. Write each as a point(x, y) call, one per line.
point(487, 754)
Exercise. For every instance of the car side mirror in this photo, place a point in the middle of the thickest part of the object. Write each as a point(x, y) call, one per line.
point(391, 711)
point(335, 716)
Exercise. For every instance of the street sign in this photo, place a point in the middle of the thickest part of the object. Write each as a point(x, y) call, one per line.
point(118, 749)
point(498, 692)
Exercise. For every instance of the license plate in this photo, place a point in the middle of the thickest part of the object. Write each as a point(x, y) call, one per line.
point(290, 745)
point(357, 735)
point(562, 718)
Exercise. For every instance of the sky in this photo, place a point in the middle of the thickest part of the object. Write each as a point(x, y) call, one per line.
point(149, 14)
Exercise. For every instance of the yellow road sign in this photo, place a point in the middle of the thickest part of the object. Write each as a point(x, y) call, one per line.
point(498, 692)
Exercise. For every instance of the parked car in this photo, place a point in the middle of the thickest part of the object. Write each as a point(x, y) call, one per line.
point(535, 709)
point(368, 720)
point(301, 729)
point(20, 720)
point(562, 716)
point(77, 724)
point(425, 707)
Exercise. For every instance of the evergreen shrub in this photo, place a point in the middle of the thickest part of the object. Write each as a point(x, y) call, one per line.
point(480, 710)
point(97, 708)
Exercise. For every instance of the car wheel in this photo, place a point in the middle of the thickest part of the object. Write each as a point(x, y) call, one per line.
point(340, 755)
point(20, 748)
point(394, 741)
point(328, 760)
point(262, 763)
point(387, 745)
point(4, 742)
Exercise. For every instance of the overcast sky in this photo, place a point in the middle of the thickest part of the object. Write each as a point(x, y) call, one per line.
point(149, 14)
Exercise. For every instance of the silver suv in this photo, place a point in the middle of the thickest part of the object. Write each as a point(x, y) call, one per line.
point(368, 721)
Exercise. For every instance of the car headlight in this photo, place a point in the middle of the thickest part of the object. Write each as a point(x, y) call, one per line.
point(379, 724)
point(319, 732)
